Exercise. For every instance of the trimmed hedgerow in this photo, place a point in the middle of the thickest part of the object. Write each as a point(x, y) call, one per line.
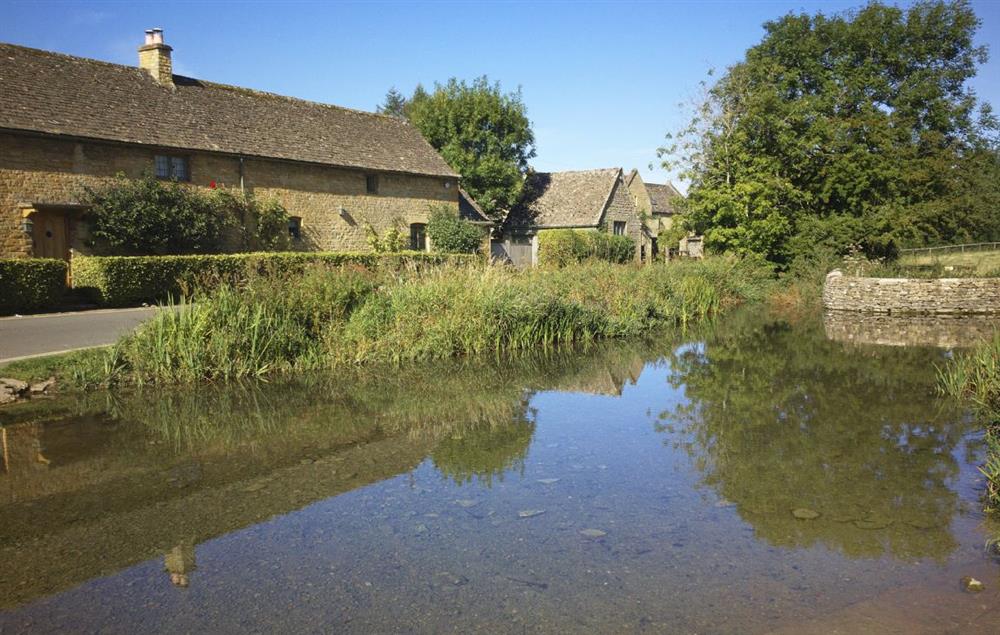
point(29, 284)
point(130, 280)
point(562, 247)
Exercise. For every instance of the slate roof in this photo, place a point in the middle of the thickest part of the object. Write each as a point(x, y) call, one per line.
point(662, 198)
point(59, 94)
point(565, 199)
point(469, 209)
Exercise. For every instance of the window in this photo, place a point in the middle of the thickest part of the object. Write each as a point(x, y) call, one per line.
point(294, 227)
point(175, 168)
point(619, 228)
point(371, 183)
point(418, 237)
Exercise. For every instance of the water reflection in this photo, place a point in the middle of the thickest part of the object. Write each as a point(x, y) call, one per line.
point(555, 493)
point(116, 479)
point(942, 331)
point(816, 443)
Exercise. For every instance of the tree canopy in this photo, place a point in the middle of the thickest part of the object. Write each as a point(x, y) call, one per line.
point(856, 129)
point(482, 132)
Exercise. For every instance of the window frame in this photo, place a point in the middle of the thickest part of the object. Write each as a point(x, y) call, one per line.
point(171, 161)
point(418, 230)
point(295, 227)
point(371, 183)
point(619, 225)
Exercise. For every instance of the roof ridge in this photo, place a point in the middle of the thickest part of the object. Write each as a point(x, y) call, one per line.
point(207, 82)
point(580, 171)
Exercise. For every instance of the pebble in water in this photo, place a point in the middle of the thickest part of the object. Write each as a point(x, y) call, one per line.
point(529, 513)
point(972, 585)
point(593, 533)
point(548, 481)
point(803, 513)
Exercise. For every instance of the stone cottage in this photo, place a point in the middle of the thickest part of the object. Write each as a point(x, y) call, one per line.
point(656, 202)
point(67, 122)
point(588, 200)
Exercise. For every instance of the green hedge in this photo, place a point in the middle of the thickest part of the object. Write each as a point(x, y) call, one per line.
point(131, 280)
point(29, 284)
point(561, 247)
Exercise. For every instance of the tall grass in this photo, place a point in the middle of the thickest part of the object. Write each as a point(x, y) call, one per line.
point(325, 319)
point(975, 379)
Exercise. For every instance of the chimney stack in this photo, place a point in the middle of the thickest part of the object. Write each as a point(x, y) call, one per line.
point(154, 58)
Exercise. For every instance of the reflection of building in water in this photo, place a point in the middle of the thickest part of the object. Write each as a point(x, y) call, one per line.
point(21, 448)
point(942, 331)
point(179, 562)
point(605, 378)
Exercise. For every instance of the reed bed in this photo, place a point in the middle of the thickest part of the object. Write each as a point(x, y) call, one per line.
point(974, 378)
point(325, 319)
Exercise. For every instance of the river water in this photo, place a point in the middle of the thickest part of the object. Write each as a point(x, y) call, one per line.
point(754, 477)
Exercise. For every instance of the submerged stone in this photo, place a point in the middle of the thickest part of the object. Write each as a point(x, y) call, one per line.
point(548, 481)
point(972, 585)
point(593, 533)
point(530, 513)
point(804, 513)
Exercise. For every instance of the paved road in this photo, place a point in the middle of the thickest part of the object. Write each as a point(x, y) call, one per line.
point(36, 335)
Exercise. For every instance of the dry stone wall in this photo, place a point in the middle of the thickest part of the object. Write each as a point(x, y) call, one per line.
point(911, 295)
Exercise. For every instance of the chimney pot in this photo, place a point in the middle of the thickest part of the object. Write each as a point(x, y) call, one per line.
point(154, 58)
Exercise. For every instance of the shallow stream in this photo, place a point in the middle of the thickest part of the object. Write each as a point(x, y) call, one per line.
point(756, 477)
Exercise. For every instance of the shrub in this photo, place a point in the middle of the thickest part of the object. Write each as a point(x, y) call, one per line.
point(148, 216)
point(451, 234)
point(259, 225)
point(562, 247)
point(131, 280)
point(28, 284)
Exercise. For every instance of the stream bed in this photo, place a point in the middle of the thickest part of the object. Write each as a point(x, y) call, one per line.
point(756, 476)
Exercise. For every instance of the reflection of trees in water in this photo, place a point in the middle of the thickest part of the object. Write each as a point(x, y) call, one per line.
point(475, 414)
point(780, 418)
point(484, 451)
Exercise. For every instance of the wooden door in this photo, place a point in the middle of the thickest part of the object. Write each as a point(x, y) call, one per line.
point(51, 235)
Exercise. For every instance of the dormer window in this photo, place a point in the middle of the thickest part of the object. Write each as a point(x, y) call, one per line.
point(175, 168)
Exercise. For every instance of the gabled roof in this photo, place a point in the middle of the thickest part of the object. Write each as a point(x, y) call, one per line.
point(662, 197)
point(469, 209)
point(565, 199)
point(60, 94)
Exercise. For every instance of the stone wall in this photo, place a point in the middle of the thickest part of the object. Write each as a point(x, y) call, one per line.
point(941, 331)
point(621, 207)
point(333, 203)
point(911, 295)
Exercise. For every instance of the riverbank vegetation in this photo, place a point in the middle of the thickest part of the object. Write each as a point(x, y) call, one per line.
point(974, 378)
point(325, 319)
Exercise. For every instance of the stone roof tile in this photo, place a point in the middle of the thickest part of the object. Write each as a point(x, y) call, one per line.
point(51, 93)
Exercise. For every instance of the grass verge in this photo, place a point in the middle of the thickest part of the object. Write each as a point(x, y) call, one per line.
point(325, 319)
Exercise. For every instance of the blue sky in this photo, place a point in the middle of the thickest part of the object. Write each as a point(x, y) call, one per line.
point(602, 81)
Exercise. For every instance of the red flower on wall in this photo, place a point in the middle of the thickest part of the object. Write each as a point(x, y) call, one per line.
point(211, 184)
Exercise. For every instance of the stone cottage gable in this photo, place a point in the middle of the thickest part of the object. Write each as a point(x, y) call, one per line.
point(637, 187)
point(565, 199)
point(55, 94)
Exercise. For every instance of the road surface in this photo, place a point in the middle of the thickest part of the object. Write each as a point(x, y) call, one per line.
point(37, 335)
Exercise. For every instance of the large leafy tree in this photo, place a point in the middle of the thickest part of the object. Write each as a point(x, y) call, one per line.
point(846, 130)
point(482, 132)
